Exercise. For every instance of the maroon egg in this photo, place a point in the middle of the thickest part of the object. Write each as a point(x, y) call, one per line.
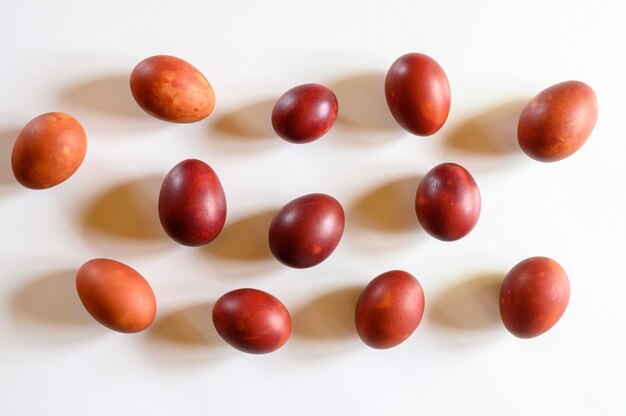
point(252, 321)
point(533, 297)
point(447, 203)
point(304, 113)
point(192, 205)
point(306, 230)
point(418, 93)
point(389, 309)
point(558, 121)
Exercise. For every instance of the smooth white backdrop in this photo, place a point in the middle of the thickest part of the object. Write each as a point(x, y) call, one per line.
point(76, 56)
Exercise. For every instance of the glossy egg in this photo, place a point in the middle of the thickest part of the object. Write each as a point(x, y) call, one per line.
point(304, 113)
point(418, 94)
point(252, 321)
point(389, 309)
point(447, 203)
point(533, 297)
point(557, 121)
point(306, 230)
point(192, 204)
point(116, 295)
point(171, 89)
point(48, 150)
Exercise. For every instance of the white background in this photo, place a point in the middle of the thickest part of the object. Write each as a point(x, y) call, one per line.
point(76, 56)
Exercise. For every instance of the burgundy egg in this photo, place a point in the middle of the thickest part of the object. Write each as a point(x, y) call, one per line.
point(447, 203)
point(192, 204)
point(533, 297)
point(252, 321)
point(389, 309)
point(418, 94)
point(306, 230)
point(558, 121)
point(304, 113)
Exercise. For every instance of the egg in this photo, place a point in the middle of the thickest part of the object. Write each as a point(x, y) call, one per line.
point(304, 113)
point(307, 230)
point(116, 295)
point(192, 204)
point(533, 297)
point(557, 121)
point(48, 150)
point(171, 89)
point(448, 202)
point(389, 309)
point(418, 94)
point(252, 321)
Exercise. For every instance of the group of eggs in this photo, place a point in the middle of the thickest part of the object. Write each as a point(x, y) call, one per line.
point(192, 203)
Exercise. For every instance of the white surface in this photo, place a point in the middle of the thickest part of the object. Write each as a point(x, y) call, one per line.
point(76, 56)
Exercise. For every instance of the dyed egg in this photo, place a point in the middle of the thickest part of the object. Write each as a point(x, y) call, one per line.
point(116, 295)
point(447, 203)
point(192, 204)
point(48, 150)
point(306, 230)
point(389, 309)
point(418, 94)
point(171, 89)
point(252, 321)
point(304, 113)
point(533, 297)
point(557, 121)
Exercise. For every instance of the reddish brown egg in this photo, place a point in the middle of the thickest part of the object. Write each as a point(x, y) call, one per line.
point(418, 94)
point(252, 321)
point(304, 113)
point(447, 203)
point(533, 297)
point(192, 204)
point(116, 295)
point(306, 230)
point(389, 309)
point(171, 89)
point(48, 150)
point(557, 121)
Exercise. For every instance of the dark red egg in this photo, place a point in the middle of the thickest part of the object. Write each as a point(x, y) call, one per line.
point(252, 321)
point(447, 203)
point(533, 297)
point(418, 94)
point(304, 113)
point(306, 230)
point(192, 204)
point(389, 309)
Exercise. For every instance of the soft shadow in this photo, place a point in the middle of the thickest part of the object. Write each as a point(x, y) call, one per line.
point(7, 140)
point(253, 121)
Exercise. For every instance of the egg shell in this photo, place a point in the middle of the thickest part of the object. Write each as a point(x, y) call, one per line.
point(48, 150)
point(533, 297)
point(192, 204)
point(252, 321)
point(307, 230)
point(389, 309)
point(116, 295)
point(418, 93)
point(448, 202)
point(558, 121)
point(304, 113)
point(172, 89)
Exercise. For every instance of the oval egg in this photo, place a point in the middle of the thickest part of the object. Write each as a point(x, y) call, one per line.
point(192, 204)
point(116, 295)
point(418, 94)
point(307, 230)
point(558, 121)
point(172, 89)
point(533, 297)
point(48, 150)
point(252, 321)
point(389, 309)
